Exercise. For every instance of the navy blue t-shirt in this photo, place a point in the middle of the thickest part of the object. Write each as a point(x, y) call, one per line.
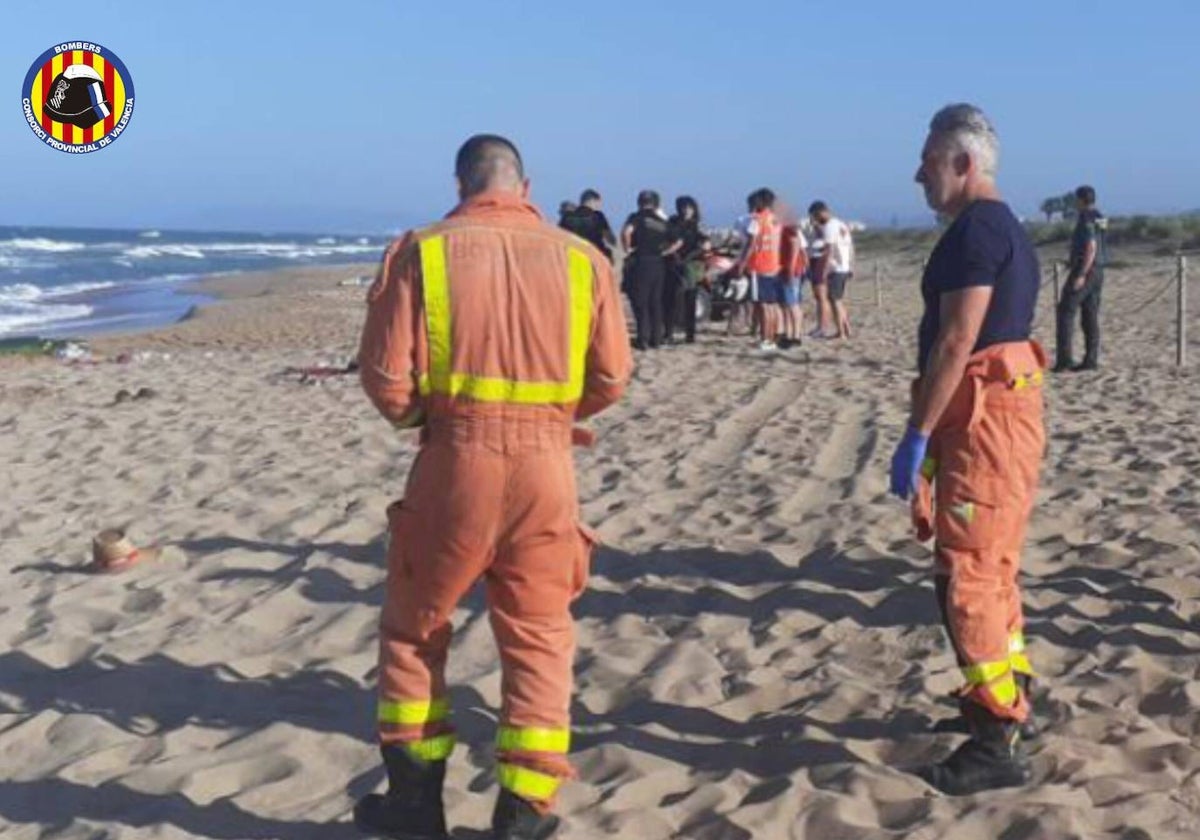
point(985, 246)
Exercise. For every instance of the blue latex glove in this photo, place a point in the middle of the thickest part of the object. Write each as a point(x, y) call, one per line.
point(906, 462)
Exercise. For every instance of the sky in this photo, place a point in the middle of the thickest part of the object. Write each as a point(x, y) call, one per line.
point(297, 115)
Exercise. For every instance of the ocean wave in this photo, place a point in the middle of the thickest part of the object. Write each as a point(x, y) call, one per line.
point(150, 234)
point(26, 293)
point(278, 250)
point(18, 315)
point(42, 244)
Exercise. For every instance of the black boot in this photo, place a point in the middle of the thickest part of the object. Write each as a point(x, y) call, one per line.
point(516, 819)
point(1029, 729)
point(992, 758)
point(412, 807)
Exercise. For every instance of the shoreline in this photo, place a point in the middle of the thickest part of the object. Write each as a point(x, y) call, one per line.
point(220, 303)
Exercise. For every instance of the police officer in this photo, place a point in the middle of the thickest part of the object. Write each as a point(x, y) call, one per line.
point(1085, 279)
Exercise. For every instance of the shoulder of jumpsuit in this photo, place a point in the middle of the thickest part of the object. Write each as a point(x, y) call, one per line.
point(395, 252)
point(578, 243)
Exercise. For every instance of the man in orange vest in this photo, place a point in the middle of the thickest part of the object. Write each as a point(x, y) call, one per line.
point(975, 439)
point(494, 332)
point(761, 259)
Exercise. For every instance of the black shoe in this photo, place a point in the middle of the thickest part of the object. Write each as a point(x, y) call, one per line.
point(1029, 729)
point(516, 819)
point(992, 758)
point(412, 807)
point(1082, 366)
point(639, 345)
point(1062, 367)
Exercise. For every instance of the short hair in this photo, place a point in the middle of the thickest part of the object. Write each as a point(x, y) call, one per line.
point(969, 129)
point(588, 195)
point(1086, 194)
point(760, 199)
point(818, 207)
point(648, 200)
point(486, 159)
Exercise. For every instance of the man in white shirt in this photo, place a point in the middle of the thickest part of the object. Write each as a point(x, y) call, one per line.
point(835, 264)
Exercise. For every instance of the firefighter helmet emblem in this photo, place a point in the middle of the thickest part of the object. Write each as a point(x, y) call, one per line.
point(78, 97)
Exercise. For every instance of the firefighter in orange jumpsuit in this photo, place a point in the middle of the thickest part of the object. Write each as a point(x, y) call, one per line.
point(971, 455)
point(493, 331)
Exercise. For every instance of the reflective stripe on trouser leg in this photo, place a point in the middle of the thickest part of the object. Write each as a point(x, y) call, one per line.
point(526, 783)
point(1017, 659)
point(525, 754)
point(996, 680)
point(420, 726)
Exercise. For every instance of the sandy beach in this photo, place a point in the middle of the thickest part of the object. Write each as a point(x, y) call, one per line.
point(759, 653)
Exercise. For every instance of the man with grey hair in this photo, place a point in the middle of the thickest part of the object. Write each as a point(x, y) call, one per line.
point(972, 451)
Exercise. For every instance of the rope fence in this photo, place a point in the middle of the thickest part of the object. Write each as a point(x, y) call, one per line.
point(1177, 279)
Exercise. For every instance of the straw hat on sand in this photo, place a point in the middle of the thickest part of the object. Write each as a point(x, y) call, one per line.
point(113, 551)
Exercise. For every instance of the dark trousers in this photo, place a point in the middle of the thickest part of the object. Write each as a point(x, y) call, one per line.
point(679, 306)
point(647, 287)
point(1070, 305)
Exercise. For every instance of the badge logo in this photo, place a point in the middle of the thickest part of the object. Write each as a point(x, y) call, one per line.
point(77, 97)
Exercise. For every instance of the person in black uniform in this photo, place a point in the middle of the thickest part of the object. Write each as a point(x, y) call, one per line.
point(646, 237)
point(1085, 280)
point(686, 267)
point(588, 221)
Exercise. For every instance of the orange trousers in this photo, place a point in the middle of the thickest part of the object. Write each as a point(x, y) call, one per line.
point(980, 481)
point(492, 498)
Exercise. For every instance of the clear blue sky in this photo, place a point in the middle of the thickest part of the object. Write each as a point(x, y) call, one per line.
point(344, 116)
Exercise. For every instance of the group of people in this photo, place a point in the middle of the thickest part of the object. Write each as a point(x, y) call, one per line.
point(667, 259)
point(494, 333)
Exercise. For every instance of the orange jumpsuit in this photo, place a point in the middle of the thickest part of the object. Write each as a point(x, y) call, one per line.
point(976, 496)
point(493, 331)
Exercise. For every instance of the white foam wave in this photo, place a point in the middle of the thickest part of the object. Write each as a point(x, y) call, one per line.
point(278, 250)
point(28, 293)
point(150, 234)
point(17, 315)
point(42, 244)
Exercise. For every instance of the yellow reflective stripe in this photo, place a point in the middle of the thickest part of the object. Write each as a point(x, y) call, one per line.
point(494, 389)
point(985, 672)
point(412, 712)
point(996, 678)
point(437, 309)
point(579, 268)
point(437, 748)
point(1016, 642)
point(1021, 665)
point(1027, 381)
point(526, 783)
point(534, 739)
point(441, 379)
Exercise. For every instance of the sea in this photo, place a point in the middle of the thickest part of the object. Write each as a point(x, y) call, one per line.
point(78, 282)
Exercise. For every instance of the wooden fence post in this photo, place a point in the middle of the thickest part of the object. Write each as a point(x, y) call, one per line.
point(1181, 313)
point(1055, 264)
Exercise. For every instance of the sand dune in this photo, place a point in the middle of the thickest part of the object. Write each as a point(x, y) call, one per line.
point(758, 655)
